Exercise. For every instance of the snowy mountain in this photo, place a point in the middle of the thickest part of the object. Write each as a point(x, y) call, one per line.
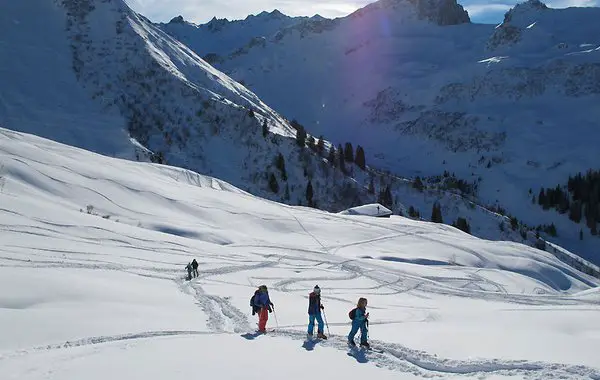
point(221, 36)
point(128, 89)
point(512, 108)
point(104, 78)
point(92, 283)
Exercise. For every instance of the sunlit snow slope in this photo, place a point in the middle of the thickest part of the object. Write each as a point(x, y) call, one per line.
point(101, 294)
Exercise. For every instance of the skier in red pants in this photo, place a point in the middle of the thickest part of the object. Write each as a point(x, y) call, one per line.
point(263, 302)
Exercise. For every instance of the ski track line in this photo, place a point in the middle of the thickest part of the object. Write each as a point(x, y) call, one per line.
point(103, 339)
point(392, 357)
point(220, 311)
point(399, 358)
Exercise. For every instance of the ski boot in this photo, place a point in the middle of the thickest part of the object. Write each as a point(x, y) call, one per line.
point(322, 336)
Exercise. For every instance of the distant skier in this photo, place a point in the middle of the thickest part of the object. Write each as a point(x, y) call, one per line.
point(360, 320)
point(263, 302)
point(314, 312)
point(189, 270)
point(195, 267)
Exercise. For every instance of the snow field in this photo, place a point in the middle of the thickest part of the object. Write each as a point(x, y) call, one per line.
point(103, 294)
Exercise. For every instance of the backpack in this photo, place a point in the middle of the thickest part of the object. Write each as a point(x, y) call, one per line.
point(255, 309)
point(352, 313)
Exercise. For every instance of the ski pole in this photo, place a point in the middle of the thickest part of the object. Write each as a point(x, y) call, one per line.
point(326, 324)
point(276, 321)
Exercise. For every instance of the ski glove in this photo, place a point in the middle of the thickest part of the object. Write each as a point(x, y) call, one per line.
point(322, 307)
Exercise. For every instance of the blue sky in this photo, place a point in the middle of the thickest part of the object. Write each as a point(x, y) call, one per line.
point(200, 11)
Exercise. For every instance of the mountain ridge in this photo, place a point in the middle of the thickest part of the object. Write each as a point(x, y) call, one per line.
point(457, 96)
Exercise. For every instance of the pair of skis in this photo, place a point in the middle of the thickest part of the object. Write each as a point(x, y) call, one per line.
point(364, 348)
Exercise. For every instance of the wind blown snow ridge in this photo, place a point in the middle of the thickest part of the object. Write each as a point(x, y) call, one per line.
point(109, 240)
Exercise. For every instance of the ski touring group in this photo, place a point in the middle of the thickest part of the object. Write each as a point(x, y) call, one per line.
point(261, 305)
point(192, 269)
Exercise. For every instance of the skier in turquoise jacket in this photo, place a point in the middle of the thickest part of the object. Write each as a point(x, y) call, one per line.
point(360, 321)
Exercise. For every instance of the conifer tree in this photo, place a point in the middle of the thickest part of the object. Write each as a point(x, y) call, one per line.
point(309, 193)
point(349, 153)
point(331, 157)
point(360, 158)
point(280, 164)
point(436, 213)
point(321, 145)
point(300, 135)
point(273, 184)
point(340, 158)
point(418, 184)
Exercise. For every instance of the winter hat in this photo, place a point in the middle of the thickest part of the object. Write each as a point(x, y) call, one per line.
point(317, 289)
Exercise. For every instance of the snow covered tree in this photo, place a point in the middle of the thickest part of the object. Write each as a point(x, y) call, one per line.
point(309, 193)
point(273, 184)
point(349, 153)
point(265, 129)
point(360, 158)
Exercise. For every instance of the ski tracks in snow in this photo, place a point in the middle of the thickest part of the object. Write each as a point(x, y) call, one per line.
point(101, 340)
point(390, 356)
point(222, 315)
point(396, 357)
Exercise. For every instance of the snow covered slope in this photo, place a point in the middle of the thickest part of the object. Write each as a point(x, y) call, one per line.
point(514, 106)
point(91, 283)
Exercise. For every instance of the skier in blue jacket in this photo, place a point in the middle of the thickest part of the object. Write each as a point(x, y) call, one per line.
point(314, 313)
point(359, 322)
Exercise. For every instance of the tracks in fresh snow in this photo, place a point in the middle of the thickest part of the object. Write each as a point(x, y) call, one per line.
point(103, 339)
point(396, 357)
point(222, 315)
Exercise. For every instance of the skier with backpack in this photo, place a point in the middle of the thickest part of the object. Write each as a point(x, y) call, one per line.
point(360, 321)
point(195, 267)
point(189, 271)
point(314, 312)
point(261, 304)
